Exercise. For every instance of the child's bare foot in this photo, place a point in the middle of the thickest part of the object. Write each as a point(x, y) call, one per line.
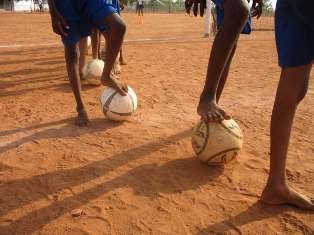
point(82, 118)
point(278, 195)
point(211, 112)
point(115, 83)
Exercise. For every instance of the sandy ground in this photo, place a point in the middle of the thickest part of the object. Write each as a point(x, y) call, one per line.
point(140, 177)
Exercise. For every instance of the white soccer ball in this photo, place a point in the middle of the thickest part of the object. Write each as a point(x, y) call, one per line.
point(92, 72)
point(117, 107)
point(217, 143)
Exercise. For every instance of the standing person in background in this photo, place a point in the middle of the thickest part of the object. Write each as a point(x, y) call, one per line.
point(141, 11)
point(207, 19)
point(136, 9)
point(41, 5)
point(214, 20)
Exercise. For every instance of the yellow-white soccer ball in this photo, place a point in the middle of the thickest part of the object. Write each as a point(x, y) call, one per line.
point(217, 143)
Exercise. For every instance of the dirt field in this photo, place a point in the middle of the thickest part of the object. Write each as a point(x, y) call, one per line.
point(140, 177)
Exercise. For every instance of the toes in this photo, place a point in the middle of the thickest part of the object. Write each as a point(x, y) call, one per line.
point(225, 115)
point(211, 117)
point(219, 116)
point(204, 118)
point(216, 116)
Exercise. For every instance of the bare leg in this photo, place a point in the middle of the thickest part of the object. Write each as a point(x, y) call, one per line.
point(291, 90)
point(95, 44)
point(114, 38)
point(142, 15)
point(121, 58)
point(72, 63)
point(236, 14)
point(224, 76)
point(82, 59)
point(99, 42)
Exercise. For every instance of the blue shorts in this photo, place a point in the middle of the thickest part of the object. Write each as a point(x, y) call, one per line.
point(220, 15)
point(83, 15)
point(294, 38)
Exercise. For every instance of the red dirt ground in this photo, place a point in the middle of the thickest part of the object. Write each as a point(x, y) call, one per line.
point(140, 177)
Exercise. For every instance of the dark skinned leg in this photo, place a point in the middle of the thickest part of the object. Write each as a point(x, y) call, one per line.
point(291, 90)
point(114, 37)
point(121, 58)
point(72, 64)
point(99, 43)
point(224, 76)
point(235, 16)
point(82, 58)
point(95, 44)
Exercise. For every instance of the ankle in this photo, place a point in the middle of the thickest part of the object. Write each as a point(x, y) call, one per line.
point(205, 98)
point(80, 108)
point(276, 186)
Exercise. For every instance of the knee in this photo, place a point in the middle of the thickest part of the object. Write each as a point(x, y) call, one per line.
point(294, 83)
point(302, 94)
point(288, 98)
point(236, 12)
point(120, 28)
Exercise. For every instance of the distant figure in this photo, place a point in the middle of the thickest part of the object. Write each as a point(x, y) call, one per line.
point(41, 5)
point(140, 10)
point(207, 19)
point(214, 20)
point(136, 9)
